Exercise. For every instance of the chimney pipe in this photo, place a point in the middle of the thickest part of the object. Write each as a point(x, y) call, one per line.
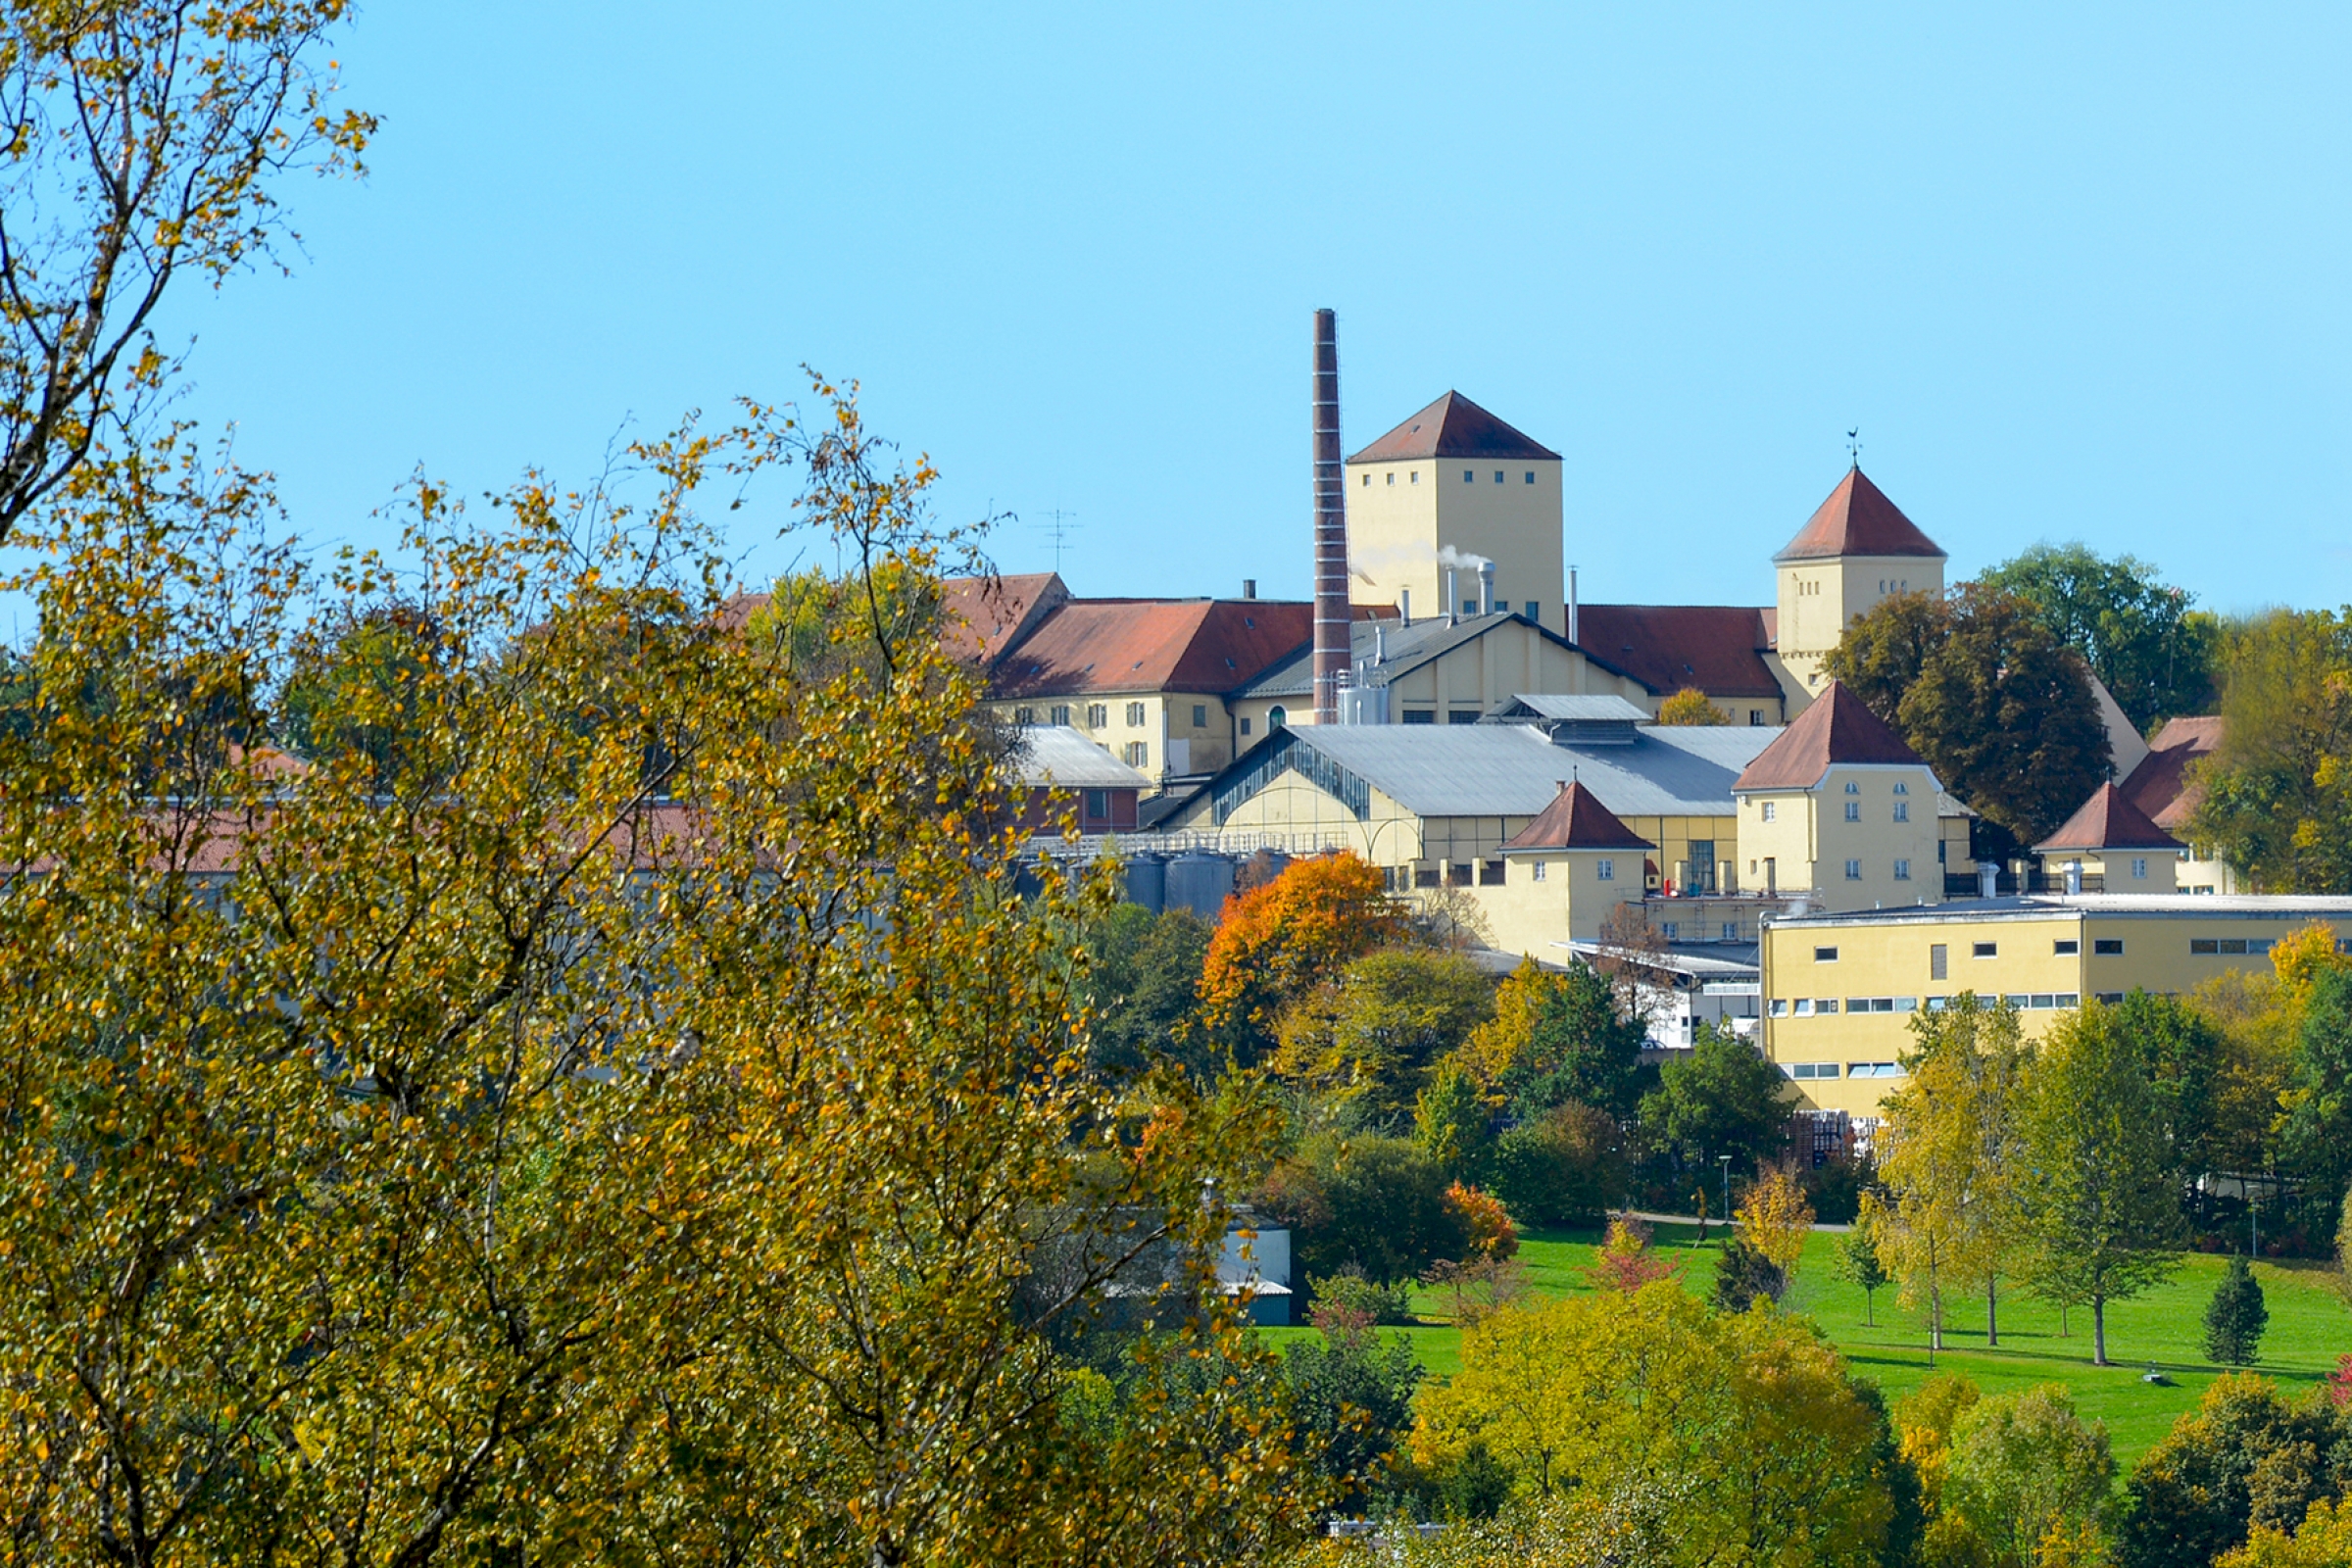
point(1331, 634)
point(1404, 606)
point(1249, 587)
point(1987, 879)
point(1486, 587)
point(1453, 596)
point(1380, 645)
point(1572, 604)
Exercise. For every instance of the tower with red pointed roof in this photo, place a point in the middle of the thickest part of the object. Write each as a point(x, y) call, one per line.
point(1856, 550)
point(1451, 487)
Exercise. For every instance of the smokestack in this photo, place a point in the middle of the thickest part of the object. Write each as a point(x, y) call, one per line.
point(1249, 587)
point(1331, 634)
point(1452, 596)
point(1572, 604)
point(1404, 606)
point(1486, 587)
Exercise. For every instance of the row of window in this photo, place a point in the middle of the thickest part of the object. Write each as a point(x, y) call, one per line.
point(1829, 1006)
point(1902, 870)
point(1853, 1069)
point(1672, 931)
point(2070, 946)
point(1097, 715)
point(1469, 477)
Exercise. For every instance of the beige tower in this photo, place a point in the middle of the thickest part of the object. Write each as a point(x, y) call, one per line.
point(1453, 484)
point(1857, 549)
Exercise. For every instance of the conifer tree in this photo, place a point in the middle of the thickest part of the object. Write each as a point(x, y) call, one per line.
point(2236, 1318)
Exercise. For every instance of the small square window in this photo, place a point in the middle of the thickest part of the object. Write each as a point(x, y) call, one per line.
point(1200, 715)
point(1824, 955)
point(1498, 477)
point(1984, 950)
point(2139, 869)
point(2107, 946)
point(1245, 726)
point(2065, 949)
point(1425, 876)
point(1853, 871)
point(1825, 1004)
point(1804, 1006)
point(1731, 930)
point(1766, 809)
point(1604, 871)
point(1670, 930)
point(1393, 480)
point(1779, 1007)
point(1531, 476)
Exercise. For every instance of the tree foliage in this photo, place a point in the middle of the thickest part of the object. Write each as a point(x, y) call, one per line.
point(1723, 1098)
point(1558, 1036)
point(2154, 653)
point(1774, 1219)
point(2022, 1468)
point(2246, 1459)
point(147, 138)
point(1747, 1416)
point(535, 1156)
point(1141, 982)
point(2277, 790)
point(2236, 1318)
point(1564, 1167)
point(1278, 941)
point(2100, 1211)
point(1689, 705)
point(1370, 1036)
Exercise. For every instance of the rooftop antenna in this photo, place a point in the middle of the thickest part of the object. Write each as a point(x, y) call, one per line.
point(1854, 445)
point(1059, 529)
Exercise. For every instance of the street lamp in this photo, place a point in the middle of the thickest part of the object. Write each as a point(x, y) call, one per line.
point(1725, 1160)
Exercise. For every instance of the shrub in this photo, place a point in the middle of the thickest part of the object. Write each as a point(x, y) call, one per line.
point(1381, 1205)
point(1565, 1167)
point(1486, 1230)
point(2236, 1318)
point(1742, 1273)
point(1348, 1296)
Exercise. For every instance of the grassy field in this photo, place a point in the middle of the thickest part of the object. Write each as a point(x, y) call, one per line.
point(2310, 1327)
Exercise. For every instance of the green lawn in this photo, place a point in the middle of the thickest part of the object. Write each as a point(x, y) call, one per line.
point(2310, 1327)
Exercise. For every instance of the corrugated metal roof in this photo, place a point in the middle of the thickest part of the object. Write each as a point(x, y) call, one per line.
point(1511, 770)
point(1402, 648)
point(1587, 709)
point(1059, 755)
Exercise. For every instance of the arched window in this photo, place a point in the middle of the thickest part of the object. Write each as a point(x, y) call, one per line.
point(1277, 719)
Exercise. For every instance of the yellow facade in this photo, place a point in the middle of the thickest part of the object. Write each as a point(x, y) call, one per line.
point(2121, 870)
point(1401, 517)
point(1865, 837)
point(1819, 598)
point(1166, 734)
point(2045, 956)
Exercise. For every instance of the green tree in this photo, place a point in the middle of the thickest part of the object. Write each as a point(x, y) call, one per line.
point(2236, 1318)
point(2183, 1053)
point(1561, 1035)
point(1565, 1167)
point(2315, 1138)
point(1142, 981)
point(2005, 715)
point(2154, 653)
point(1749, 1417)
point(2022, 1465)
point(1689, 705)
point(1454, 1124)
point(2098, 1206)
point(1355, 1390)
point(2278, 800)
point(1859, 1263)
point(1723, 1098)
point(1376, 1203)
point(1881, 655)
point(2245, 1457)
point(1371, 1036)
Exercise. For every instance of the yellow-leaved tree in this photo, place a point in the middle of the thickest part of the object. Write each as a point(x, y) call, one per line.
point(608, 1098)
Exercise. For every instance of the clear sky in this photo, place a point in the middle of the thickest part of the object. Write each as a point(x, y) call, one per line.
point(2074, 271)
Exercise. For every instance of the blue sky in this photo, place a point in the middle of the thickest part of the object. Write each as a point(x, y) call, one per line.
point(2076, 273)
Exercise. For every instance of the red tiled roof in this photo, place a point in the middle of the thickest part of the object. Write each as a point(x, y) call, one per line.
point(2108, 820)
point(1453, 426)
point(1576, 820)
point(1131, 645)
point(1836, 728)
point(1857, 520)
point(986, 616)
point(1717, 648)
point(2161, 786)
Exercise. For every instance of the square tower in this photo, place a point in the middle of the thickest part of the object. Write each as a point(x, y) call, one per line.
point(1453, 485)
point(1856, 550)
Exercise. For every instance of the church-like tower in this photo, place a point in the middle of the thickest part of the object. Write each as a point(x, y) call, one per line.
point(1856, 550)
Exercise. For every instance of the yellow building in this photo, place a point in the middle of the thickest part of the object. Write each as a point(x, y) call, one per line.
point(1448, 489)
point(2109, 845)
point(1841, 990)
point(1856, 550)
point(1841, 809)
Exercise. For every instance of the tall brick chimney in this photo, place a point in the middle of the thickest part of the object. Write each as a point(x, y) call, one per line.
point(1333, 647)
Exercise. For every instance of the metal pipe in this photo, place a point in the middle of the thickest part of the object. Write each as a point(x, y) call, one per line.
point(1332, 638)
point(1405, 607)
point(1452, 596)
point(1486, 587)
point(1572, 604)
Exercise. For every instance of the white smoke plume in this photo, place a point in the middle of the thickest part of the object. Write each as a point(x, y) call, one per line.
point(1450, 557)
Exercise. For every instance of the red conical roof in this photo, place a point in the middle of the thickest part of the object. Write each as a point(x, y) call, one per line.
point(2108, 820)
point(1857, 520)
point(1838, 727)
point(1576, 820)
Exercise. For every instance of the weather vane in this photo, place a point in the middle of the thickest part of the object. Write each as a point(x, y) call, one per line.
point(1853, 445)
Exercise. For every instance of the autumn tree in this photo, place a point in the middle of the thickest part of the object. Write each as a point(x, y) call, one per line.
point(1558, 1036)
point(1775, 1219)
point(2245, 1459)
point(1689, 705)
point(1370, 1036)
point(1277, 943)
point(148, 139)
point(2277, 788)
point(2151, 650)
point(537, 1152)
point(1751, 1415)
point(2023, 1466)
point(2101, 1215)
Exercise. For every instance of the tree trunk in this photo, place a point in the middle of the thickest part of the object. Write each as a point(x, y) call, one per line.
point(1934, 1323)
point(2098, 1331)
point(1867, 1321)
point(1993, 1310)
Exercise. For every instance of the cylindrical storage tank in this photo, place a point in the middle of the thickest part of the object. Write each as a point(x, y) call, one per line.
point(1272, 864)
point(1148, 880)
point(1199, 882)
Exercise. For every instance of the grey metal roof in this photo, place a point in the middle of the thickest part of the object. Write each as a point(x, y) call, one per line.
point(2043, 906)
point(1057, 755)
point(1713, 960)
point(1587, 710)
point(1513, 770)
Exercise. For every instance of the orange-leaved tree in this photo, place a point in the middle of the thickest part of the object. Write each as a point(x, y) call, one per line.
point(1278, 941)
